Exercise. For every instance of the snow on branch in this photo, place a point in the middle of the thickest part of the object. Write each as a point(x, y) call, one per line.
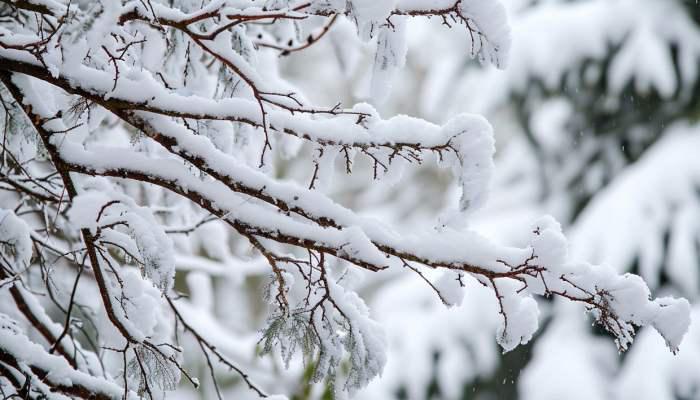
point(130, 108)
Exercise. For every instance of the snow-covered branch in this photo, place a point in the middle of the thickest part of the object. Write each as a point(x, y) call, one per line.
point(111, 95)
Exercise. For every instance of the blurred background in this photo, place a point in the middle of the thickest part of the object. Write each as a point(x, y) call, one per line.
point(596, 121)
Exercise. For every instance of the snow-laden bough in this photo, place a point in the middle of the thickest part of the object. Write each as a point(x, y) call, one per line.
point(119, 146)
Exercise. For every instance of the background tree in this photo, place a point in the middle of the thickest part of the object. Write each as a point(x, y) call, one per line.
point(598, 111)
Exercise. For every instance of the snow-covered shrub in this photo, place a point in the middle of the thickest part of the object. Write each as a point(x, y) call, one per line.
point(130, 125)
